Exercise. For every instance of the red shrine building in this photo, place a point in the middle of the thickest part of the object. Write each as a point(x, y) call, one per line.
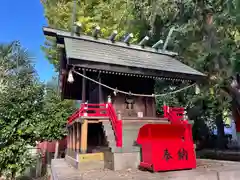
point(115, 83)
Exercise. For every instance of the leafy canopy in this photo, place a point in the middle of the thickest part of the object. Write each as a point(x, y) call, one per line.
point(55, 111)
point(20, 108)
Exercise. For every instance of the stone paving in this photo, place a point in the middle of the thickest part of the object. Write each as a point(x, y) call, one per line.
point(206, 170)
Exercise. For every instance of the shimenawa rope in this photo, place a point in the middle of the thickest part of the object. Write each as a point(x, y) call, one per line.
point(133, 94)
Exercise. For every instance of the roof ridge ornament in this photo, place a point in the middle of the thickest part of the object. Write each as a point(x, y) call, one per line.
point(156, 45)
point(96, 32)
point(113, 36)
point(128, 38)
point(142, 46)
point(143, 41)
point(77, 28)
point(169, 36)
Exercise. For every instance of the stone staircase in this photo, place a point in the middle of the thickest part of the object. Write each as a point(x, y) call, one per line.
point(129, 155)
point(109, 134)
point(130, 134)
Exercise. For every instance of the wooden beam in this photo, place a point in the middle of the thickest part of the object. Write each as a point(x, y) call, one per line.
point(70, 138)
point(84, 136)
point(74, 136)
point(100, 92)
point(136, 71)
point(84, 87)
point(146, 105)
point(154, 107)
point(62, 76)
point(95, 121)
point(78, 136)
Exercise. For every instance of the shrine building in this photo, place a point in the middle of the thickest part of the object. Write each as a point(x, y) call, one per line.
point(115, 83)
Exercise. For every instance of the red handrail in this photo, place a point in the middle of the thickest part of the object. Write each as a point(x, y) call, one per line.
point(102, 110)
point(175, 115)
point(85, 110)
point(116, 124)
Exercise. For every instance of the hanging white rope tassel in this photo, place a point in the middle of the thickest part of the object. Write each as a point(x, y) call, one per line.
point(133, 94)
point(70, 78)
point(197, 89)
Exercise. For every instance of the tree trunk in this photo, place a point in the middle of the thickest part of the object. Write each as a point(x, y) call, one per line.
point(13, 175)
point(221, 141)
point(56, 149)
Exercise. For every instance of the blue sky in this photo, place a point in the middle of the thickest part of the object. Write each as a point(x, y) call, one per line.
point(23, 21)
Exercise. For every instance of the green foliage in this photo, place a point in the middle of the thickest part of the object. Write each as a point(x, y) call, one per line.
point(210, 47)
point(29, 111)
point(55, 112)
point(16, 159)
point(20, 108)
point(208, 41)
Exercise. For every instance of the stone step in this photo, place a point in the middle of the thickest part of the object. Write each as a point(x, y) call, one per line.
point(109, 133)
point(111, 145)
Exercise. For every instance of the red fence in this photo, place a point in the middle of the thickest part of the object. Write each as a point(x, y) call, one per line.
point(50, 146)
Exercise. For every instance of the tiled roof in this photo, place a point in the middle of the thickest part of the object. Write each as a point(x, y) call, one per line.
point(123, 56)
point(86, 48)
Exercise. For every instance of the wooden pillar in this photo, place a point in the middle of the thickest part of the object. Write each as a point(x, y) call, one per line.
point(100, 94)
point(84, 87)
point(70, 138)
point(154, 107)
point(84, 126)
point(74, 136)
point(63, 71)
point(84, 136)
point(78, 137)
point(146, 106)
point(99, 138)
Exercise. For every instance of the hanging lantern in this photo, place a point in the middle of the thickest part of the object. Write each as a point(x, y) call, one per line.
point(70, 77)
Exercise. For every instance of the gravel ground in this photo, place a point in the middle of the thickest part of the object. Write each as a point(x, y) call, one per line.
point(64, 171)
